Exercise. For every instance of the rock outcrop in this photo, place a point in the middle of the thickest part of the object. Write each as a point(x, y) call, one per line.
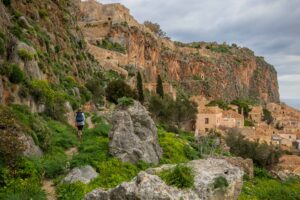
point(83, 174)
point(133, 136)
point(148, 186)
point(216, 71)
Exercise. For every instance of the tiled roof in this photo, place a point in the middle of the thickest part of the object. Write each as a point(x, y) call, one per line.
point(232, 114)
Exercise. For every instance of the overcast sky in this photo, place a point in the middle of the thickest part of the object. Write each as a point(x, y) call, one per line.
point(269, 27)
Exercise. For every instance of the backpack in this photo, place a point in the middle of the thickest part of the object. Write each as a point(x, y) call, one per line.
point(79, 117)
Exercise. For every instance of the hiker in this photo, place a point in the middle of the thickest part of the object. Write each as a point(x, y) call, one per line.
point(80, 120)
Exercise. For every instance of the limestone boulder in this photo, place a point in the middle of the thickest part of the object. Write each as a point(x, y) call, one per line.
point(133, 136)
point(148, 186)
point(83, 174)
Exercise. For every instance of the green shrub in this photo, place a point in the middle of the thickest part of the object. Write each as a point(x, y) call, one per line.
point(2, 46)
point(267, 116)
point(13, 72)
point(72, 191)
point(220, 103)
point(117, 89)
point(63, 135)
point(264, 188)
point(93, 149)
point(113, 46)
point(17, 75)
point(174, 148)
point(262, 154)
point(43, 13)
point(220, 182)
point(125, 101)
point(113, 172)
point(6, 2)
point(248, 122)
point(54, 163)
point(85, 94)
point(180, 176)
point(262, 173)
point(25, 190)
point(37, 125)
point(53, 99)
point(25, 55)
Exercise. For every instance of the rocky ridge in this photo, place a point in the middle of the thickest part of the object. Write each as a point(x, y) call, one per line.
point(216, 71)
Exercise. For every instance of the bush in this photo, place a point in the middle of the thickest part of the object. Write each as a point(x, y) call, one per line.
point(125, 101)
point(114, 172)
point(13, 73)
point(117, 89)
point(264, 188)
point(267, 116)
point(72, 191)
point(248, 122)
point(43, 13)
point(25, 55)
point(63, 135)
point(17, 75)
point(221, 183)
point(263, 155)
point(54, 163)
point(180, 176)
point(6, 2)
point(174, 148)
point(2, 46)
point(220, 103)
point(94, 148)
point(53, 99)
point(113, 46)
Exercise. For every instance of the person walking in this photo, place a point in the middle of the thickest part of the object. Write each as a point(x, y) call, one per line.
point(80, 121)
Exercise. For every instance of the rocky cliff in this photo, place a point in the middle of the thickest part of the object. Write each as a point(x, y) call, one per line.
point(216, 71)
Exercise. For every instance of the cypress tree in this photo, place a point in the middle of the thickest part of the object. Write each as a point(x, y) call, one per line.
point(139, 86)
point(159, 87)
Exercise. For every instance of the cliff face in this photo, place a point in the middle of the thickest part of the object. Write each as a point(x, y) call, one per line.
point(216, 71)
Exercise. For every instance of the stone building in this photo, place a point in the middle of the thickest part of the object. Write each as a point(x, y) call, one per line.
point(256, 114)
point(212, 118)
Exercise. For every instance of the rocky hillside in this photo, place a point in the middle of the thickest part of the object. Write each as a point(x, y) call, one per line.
point(41, 45)
point(216, 71)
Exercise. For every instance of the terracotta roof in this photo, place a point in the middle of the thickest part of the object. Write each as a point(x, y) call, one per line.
point(210, 110)
point(256, 109)
point(232, 114)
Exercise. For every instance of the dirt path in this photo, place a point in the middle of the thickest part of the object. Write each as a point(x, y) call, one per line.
point(49, 188)
point(70, 152)
point(48, 185)
point(89, 122)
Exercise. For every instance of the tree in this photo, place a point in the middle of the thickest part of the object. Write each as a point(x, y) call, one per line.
point(139, 86)
point(182, 110)
point(262, 154)
point(155, 28)
point(117, 89)
point(159, 87)
point(267, 116)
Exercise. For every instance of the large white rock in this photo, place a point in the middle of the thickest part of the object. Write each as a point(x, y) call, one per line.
point(83, 174)
point(133, 136)
point(148, 186)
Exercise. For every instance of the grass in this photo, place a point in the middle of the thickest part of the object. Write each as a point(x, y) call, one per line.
point(176, 149)
point(270, 189)
point(25, 55)
point(221, 183)
point(180, 176)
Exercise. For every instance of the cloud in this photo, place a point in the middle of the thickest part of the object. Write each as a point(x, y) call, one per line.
point(269, 27)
